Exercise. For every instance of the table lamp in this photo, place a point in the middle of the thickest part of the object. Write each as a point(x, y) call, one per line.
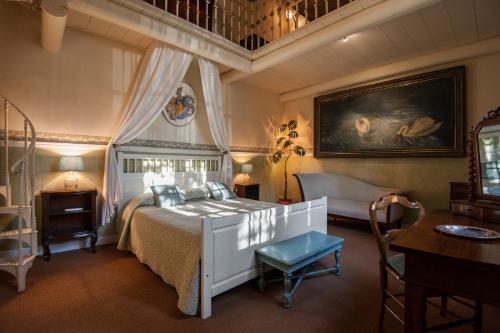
point(71, 164)
point(246, 169)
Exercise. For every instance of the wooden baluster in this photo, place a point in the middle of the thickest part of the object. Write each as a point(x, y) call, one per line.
point(315, 9)
point(198, 12)
point(207, 16)
point(251, 26)
point(177, 3)
point(246, 24)
point(258, 25)
point(279, 18)
point(326, 7)
point(215, 17)
point(187, 10)
point(239, 21)
point(287, 16)
point(338, 4)
point(166, 5)
point(231, 25)
point(224, 18)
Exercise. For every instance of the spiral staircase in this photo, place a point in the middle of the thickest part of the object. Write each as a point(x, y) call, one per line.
point(18, 220)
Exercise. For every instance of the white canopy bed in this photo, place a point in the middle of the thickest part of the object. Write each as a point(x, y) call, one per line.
point(202, 247)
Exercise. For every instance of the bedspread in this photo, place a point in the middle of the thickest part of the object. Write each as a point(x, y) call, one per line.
point(168, 240)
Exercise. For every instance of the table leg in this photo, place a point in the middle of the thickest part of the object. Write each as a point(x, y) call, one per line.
point(415, 308)
point(337, 262)
point(287, 297)
point(262, 282)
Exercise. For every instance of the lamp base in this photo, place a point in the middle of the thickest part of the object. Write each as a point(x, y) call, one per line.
point(71, 182)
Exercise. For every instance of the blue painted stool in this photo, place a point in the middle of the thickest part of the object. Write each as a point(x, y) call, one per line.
point(298, 253)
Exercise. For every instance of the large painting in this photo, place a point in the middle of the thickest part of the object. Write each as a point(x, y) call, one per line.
point(421, 115)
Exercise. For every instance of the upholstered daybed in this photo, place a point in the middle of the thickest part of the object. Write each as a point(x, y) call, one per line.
point(349, 198)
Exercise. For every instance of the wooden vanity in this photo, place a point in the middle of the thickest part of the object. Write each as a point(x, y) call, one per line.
point(480, 210)
point(483, 200)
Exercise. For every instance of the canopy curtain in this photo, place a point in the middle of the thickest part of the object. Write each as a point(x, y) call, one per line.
point(210, 80)
point(161, 71)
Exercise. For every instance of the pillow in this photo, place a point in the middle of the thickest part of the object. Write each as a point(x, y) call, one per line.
point(196, 193)
point(167, 195)
point(220, 191)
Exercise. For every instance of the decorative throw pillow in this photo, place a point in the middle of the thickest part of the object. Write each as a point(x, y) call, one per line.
point(167, 195)
point(220, 191)
point(196, 193)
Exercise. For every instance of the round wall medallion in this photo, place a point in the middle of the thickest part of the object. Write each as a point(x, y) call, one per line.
point(181, 108)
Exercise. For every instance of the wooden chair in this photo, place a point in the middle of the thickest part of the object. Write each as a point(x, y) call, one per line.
point(395, 266)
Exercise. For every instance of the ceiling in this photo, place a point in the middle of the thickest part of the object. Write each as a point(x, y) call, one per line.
point(441, 26)
point(101, 28)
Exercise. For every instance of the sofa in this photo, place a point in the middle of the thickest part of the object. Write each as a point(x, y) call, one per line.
point(349, 198)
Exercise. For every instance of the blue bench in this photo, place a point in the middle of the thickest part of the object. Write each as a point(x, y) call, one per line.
point(298, 253)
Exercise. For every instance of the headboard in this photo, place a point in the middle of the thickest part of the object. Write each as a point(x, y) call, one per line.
point(141, 167)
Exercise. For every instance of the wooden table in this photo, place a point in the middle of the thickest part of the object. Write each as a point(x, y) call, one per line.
point(440, 262)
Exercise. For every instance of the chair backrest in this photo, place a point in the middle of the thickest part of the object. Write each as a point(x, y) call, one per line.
point(382, 204)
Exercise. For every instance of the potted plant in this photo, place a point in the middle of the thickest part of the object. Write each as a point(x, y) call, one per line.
point(286, 147)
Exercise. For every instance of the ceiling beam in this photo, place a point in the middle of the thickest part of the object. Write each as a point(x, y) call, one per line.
point(472, 50)
point(149, 26)
point(362, 20)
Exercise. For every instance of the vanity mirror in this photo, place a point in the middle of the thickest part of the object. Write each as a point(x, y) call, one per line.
point(484, 172)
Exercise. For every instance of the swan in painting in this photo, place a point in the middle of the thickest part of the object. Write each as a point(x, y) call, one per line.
point(362, 126)
point(421, 127)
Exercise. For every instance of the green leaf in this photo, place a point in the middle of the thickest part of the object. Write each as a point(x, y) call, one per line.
point(280, 140)
point(287, 144)
point(299, 150)
point(292, 124)
point(277, 157)
point(283, 127)
point(293, 134)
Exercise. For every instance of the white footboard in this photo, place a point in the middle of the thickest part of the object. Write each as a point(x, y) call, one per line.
point(228, 245)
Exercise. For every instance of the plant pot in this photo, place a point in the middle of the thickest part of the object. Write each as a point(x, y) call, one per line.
point(283, 201)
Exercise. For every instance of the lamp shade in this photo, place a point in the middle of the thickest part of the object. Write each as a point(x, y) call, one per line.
point(247, 168)
point(71, 163)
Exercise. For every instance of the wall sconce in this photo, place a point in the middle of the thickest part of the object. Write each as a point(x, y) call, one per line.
point(246, 169)
point(71, 164)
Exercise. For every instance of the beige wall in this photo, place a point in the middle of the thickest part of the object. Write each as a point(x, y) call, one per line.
point(425, 178)
point(78, 90)
point(251, 114)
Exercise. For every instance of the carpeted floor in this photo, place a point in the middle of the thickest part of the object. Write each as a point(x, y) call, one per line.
point(112, 292)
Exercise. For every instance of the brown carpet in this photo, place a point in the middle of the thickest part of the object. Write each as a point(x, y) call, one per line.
point(112, 292)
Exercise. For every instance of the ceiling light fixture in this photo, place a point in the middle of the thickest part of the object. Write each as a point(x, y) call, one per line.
point(345, 39)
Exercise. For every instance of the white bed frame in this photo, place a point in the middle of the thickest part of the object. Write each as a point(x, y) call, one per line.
point(228, 244)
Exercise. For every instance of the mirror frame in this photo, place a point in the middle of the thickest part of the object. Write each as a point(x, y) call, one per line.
point(491, 118)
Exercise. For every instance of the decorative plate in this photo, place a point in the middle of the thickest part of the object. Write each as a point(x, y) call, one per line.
point(181, 108)
point(468, 232)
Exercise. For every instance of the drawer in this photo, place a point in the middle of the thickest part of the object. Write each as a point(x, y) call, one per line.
point(491, 215)
point(467, 210)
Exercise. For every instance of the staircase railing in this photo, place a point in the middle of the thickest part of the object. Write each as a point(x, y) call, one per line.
point(250, 24)
point(24, 166)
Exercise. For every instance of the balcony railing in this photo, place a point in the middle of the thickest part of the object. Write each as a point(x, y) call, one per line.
point(251, 24)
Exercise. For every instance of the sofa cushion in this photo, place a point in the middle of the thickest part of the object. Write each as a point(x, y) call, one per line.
point(357, 209)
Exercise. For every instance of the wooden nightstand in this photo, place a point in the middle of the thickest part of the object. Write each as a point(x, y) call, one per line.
point(248, 191)
point(68, 214)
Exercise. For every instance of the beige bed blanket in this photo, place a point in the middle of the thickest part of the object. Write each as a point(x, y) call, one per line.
point(170, 245)
point(169, 239)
